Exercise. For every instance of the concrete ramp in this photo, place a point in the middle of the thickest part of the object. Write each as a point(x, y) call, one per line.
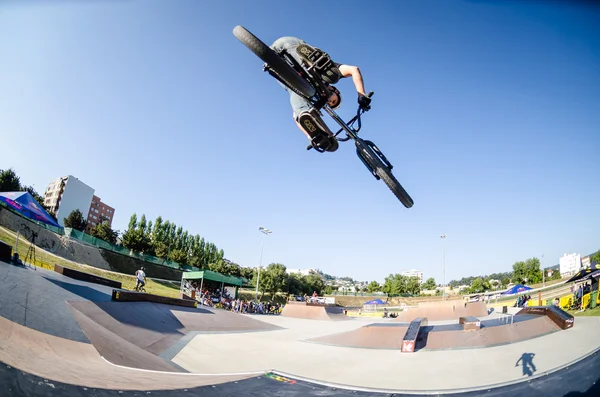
point(313, 312)
point(135, 334)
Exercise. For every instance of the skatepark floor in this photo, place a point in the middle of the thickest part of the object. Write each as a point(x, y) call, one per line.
point(47, 352)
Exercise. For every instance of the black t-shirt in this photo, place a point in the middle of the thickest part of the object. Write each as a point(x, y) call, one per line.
point(337, 65)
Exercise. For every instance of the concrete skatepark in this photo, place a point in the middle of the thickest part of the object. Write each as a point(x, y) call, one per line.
point(60, 336)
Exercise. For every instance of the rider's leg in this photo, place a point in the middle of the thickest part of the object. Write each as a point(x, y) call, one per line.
point(311, 123)
point(306, 54)
point(307, 119)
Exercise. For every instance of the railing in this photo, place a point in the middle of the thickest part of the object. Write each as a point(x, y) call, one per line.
point(338, 293)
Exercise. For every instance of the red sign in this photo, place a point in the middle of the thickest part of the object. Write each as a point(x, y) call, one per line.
point(408, 346)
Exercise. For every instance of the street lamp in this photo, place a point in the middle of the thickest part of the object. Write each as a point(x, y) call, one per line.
point(443, 237)
point(543, 272)
point(264, 231)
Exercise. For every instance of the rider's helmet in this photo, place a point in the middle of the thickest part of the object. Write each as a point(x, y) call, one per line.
point(335, 98)
point(142, 268)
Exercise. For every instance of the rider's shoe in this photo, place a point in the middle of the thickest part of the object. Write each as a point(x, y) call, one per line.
point(326, 68)
point(320, 134)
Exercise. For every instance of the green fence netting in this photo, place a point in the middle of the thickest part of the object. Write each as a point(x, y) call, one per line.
point(119, 249)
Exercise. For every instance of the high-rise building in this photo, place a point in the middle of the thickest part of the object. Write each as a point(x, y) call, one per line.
point(66, 194)
point(99, 212)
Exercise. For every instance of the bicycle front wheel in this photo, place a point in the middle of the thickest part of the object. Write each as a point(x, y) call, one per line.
point(384, 173)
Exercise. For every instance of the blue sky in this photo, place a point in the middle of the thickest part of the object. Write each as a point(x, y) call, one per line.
point(490, 112)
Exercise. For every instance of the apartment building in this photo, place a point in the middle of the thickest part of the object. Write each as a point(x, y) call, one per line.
point(569, 264)
point(99, 212)
point(66, 194)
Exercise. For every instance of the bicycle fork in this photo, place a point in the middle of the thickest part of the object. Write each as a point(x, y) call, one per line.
point(375, 150)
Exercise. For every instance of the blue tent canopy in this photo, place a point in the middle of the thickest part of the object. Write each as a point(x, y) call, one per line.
point(25, 204)
point(515, 289)
point(375, 302)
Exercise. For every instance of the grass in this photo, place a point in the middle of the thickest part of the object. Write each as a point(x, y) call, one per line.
point(46, 260)
point(587, 313)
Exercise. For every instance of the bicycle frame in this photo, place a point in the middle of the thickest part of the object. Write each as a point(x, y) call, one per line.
point(319, 101)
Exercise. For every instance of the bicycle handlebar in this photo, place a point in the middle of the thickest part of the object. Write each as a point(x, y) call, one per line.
point(359, 112)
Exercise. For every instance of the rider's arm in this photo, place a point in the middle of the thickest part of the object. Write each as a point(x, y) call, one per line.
point(354, 71)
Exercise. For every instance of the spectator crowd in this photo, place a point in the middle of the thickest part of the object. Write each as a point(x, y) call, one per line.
point(217, 298)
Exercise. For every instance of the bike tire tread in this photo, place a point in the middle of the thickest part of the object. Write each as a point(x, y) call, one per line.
point(395, 186)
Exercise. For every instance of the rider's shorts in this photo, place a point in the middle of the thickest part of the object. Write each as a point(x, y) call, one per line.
point(298, 103)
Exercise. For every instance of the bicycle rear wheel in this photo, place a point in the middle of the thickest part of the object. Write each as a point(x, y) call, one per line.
point(279, 66)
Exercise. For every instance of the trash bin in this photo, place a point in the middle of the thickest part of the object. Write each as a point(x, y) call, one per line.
point(593, 299)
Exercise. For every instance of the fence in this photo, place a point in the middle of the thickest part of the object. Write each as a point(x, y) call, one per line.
point(348, 293)
point(86, 238)
point(119, 249)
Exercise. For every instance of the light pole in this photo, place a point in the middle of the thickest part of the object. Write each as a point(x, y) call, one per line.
point(443, 237)
point(543, 272)
point(264, 231)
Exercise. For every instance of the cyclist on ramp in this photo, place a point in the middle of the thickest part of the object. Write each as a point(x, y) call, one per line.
point(305, 115)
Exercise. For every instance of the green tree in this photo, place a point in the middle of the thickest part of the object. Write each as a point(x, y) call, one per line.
point(133, 238)
point(397, 284)
point(75, 220)
point(246, 272)
point(296, 284)
point(413, 286)
point(232, 269)
point(178, 256)
point(9, 181)
point(505, 281)
point(556, 275)
point(314, 282)
point(373, 287)
point(486, 284)
point(593, 258)
point(328, 290)
point(104, 232)
point(429, 284)
point(394, 284)
point(528, 271)
point(161, 250)
point(135, 241)
point(274, 278)
point(477, 286)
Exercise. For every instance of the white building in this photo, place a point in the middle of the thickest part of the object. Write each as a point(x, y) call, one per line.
point(347, 288)
point(569, 264)
point(304, 272)
point(414, 273)
point(66, 194)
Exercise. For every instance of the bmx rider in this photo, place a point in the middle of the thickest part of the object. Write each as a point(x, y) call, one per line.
point(307, 117)
point(140, 278)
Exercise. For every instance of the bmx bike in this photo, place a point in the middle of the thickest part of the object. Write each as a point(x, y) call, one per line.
point(306, 82)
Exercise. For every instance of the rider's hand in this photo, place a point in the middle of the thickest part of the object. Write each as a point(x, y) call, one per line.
point(364, 101)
